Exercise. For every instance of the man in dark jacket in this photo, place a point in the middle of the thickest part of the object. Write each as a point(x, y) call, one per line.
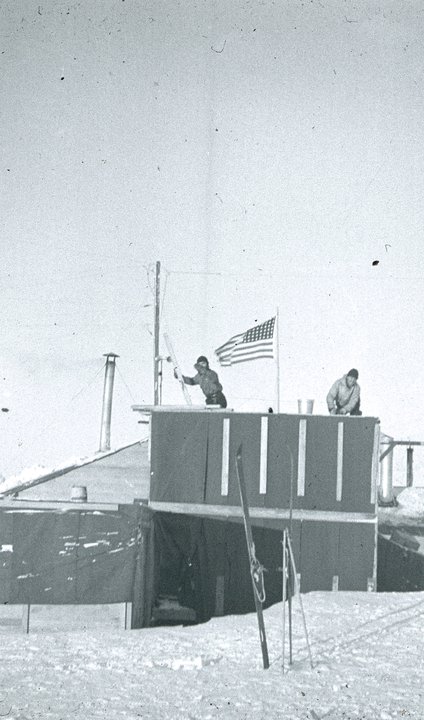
point(208, 381)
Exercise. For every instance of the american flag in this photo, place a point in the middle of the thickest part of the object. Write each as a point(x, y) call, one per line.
point(255, 343)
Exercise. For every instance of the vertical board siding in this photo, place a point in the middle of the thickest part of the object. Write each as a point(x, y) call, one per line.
point(225, 467)
point(319, 555)
point(375, 463)
point(301, 462)
point(263, 467)
point(339, 486)
point(316, 464)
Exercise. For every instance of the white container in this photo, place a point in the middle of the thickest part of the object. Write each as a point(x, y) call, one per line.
point(305, 407)
point(79, 493)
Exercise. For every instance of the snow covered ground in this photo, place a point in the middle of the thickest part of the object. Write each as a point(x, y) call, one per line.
point(80, 662)
point(409, 509)
point(410, 503)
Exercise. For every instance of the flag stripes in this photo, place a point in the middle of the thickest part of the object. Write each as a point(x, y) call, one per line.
point(254, 344)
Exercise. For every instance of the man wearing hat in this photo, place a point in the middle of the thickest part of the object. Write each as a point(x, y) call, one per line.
point(344, 395)
point(208, 381)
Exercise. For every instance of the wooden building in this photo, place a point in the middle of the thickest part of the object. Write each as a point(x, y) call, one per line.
point(163, 519)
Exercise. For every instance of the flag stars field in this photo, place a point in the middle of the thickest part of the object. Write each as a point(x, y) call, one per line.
point(255, 343)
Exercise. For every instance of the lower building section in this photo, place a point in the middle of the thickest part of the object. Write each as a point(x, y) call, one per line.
point(202, 563)
point(173, 566)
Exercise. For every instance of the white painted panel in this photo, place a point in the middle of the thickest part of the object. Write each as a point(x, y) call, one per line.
point(375, 464)
point(335, 583)
point(225, 456)
point(339, 461)
point(263, 468)
point(301, 464)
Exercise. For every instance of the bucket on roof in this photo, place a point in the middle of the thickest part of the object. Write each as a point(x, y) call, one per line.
point(305, 407)
point(79, 493)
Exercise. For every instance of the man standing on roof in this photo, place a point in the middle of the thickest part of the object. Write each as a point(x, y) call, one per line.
point(208, 381)
point(344, 396)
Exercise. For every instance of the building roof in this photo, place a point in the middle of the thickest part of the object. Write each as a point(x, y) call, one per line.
point(119, 477)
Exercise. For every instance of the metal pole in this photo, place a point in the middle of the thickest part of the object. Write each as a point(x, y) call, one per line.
point(283, 650)
point(160, 375)
point(409, 467)
point(107, 402)
point(296, 590)
point(277, 357)
point(386, 472)
point(156, 350)
point(289, 603)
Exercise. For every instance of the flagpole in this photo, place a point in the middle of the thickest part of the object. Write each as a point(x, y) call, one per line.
point(277, 358)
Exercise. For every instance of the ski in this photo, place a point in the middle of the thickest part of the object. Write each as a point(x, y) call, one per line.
point(256, 569)
point(177, 369)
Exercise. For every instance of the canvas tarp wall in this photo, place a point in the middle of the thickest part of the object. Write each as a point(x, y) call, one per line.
point(77, 556)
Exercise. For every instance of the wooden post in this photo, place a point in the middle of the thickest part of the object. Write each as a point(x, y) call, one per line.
point(137, 611)
point(296, 589)
point(409, 466)
point(289, 602)
point(149, 572)
point(26, 612)
point(143, 587)
point(220, 572)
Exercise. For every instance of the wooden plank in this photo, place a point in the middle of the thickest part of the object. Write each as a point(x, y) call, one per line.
point(319, 555)
point(225, 466)
point(321, 464)
point(356, 563)
point(219, 595)
point(234, 511)
point(358, 464)
point(138, 619)
point(263, 465)
point(301, 462)
point(245, 430)
point(283, 441)
point(179, 456)
point(150, 574)
point(339, 483)
point(375, 465)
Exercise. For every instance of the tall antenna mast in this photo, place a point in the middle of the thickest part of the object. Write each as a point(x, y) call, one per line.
point(156, 358)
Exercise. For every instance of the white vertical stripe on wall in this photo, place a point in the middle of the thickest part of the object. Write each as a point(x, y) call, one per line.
point(263, 468)
point(301, 462)
point(225, 456)
point(335, 583)
point(375, 464)
point(339, 486)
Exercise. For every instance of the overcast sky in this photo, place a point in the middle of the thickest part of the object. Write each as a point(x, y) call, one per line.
point(268, 154)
